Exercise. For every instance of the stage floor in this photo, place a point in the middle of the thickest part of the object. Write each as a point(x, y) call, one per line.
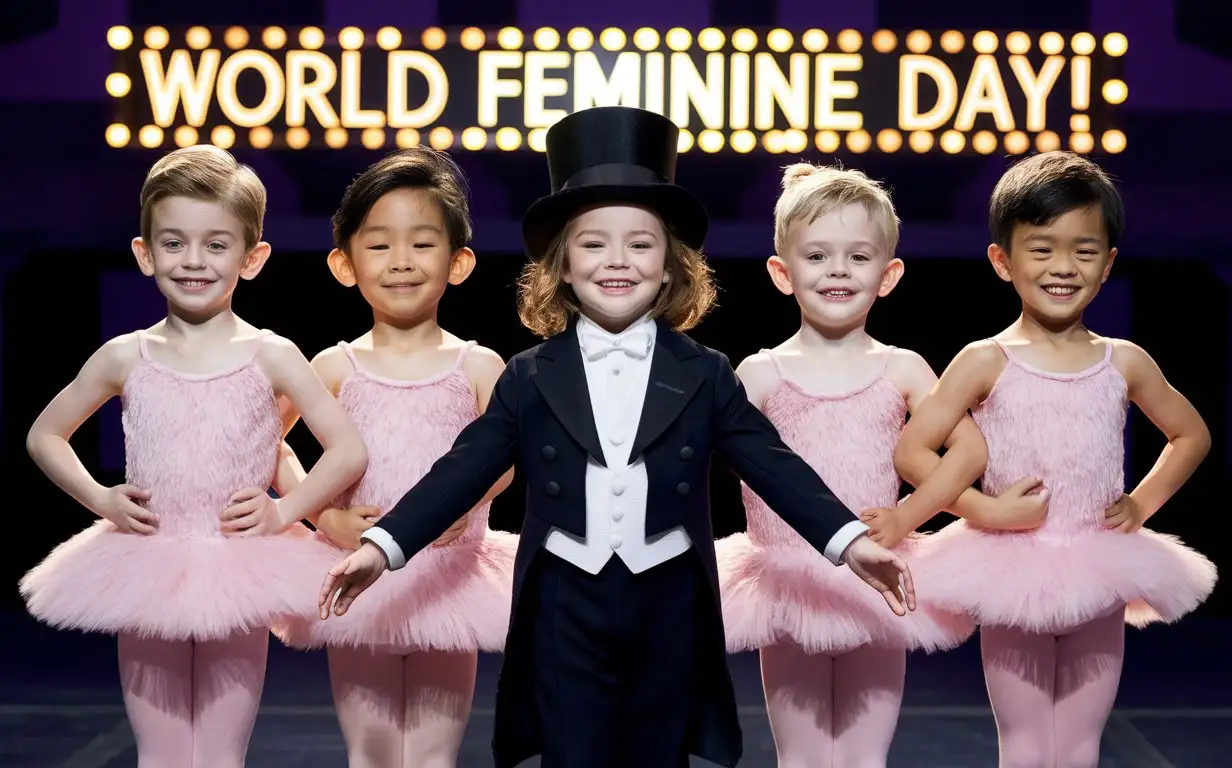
point(60, 706)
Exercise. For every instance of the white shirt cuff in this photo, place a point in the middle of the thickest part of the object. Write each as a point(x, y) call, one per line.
point(393, 553)
point(838, 543)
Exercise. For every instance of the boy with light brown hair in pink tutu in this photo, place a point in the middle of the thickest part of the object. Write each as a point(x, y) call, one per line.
point(833, 660)
point(1050, 397)
point(192, 562)
point(402, 663)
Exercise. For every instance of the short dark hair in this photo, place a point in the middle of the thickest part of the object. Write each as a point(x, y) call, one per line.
point(1043, 188)
point(415, 168)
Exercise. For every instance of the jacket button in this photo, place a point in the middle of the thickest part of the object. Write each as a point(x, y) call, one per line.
point(548, 452)
point(686, 452)
point(683, 489)
point(552, 489)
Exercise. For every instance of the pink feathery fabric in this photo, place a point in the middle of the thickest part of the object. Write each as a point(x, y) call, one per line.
point(776, 587)
point(192, 441)
point(455, 597)
point(1068, 430)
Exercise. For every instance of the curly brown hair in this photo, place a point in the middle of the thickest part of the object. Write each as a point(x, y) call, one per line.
point(546, 302)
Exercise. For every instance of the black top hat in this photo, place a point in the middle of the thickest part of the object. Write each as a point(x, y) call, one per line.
point(610, 155)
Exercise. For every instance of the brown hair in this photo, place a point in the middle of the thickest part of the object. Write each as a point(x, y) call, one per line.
point(415, 168)
point(1043, 188)
point(545, 300)
point(206, 172)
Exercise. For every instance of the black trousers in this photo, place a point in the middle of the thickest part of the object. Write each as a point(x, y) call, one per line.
point(615, 662)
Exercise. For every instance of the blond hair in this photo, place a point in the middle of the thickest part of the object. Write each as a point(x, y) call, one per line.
point(812, 191)
point(205, 172)
point(546, 302)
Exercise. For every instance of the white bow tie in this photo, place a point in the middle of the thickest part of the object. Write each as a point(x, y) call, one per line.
point(597, 343)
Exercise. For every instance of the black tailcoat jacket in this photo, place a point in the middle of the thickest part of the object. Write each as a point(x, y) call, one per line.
point(539, 420)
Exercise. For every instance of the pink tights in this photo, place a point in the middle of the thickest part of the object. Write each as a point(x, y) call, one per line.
point(1052, 694)
point(192, 704)
point(833, 711)
point(402, 711)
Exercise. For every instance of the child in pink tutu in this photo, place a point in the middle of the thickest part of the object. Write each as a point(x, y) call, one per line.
point(402, 664)
point(1051, 397)
point(192, 561)
point(833, 659)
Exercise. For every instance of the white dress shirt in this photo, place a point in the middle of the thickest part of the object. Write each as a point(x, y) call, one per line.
point(617, 370)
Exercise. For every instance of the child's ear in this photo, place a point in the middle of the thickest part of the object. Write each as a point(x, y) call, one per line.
point(255, 261)
point(341, 267)
point(1000, 262)
point(779, 274)
point(461, 264)
point(1108, 267)
point(145, 259)
point(890, 277)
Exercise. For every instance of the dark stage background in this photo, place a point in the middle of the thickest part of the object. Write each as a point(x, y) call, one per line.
point(69, 207)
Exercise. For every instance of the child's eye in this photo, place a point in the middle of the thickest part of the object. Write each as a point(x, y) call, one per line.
point(217, 247)
point(859, 257)
point(640, 246)
point(592, 245)
point(378, 247)
point(171, 244)
point(425, 245)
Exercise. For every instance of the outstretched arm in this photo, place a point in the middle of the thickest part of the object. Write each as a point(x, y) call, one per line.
point(481, 454)
point(751, 445)
point(1189, 440)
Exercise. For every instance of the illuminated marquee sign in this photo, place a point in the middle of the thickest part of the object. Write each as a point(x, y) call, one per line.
point(729, 90)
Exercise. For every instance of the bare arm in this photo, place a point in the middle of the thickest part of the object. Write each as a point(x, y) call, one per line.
point(331, 367)
point(941, 419)
point(759, 376)
point(100, 379)
point(344, 458)
point(946, 479)
point(1189, 440)
point(483, 367)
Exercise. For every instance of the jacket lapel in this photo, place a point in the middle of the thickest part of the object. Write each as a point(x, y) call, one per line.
point(561, 379)
point(672, 384)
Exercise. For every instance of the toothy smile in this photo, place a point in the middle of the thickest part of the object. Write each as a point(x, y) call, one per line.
point(616, 286)
point(193, 284)
point(837, 294)
point(1060, 291)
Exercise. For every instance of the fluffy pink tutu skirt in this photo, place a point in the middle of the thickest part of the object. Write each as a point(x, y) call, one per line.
point(451, 598)
point(102, 580)
point(1051, 583)
point(776, 594)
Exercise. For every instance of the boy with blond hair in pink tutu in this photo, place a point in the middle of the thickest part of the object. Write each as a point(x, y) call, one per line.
point(1050, 397)
point(192, 561)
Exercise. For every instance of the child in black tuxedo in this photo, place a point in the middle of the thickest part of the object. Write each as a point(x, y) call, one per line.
point(615, 654)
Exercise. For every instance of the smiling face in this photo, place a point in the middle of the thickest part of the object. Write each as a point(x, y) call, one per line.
point(400, 257)
point(615, 263)
point(1057, 268)
point(836, 266)
point(197, 255)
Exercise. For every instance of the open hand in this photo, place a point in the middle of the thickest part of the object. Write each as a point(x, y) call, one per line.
point(343, 527)
point(1126, 515)
point(120, 506)
point(349, 578)
point(884, 571)
point(252, 512)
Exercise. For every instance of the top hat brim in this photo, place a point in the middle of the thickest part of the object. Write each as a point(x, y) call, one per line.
point(682, 213)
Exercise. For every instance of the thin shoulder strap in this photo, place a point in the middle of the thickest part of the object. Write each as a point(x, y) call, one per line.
point(774, 360)
point(885, 359)
point(466, 348)
point(256, 342)
point(1107, 351)
point(143, 346)
point(350, 355)
point(1005, 350)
